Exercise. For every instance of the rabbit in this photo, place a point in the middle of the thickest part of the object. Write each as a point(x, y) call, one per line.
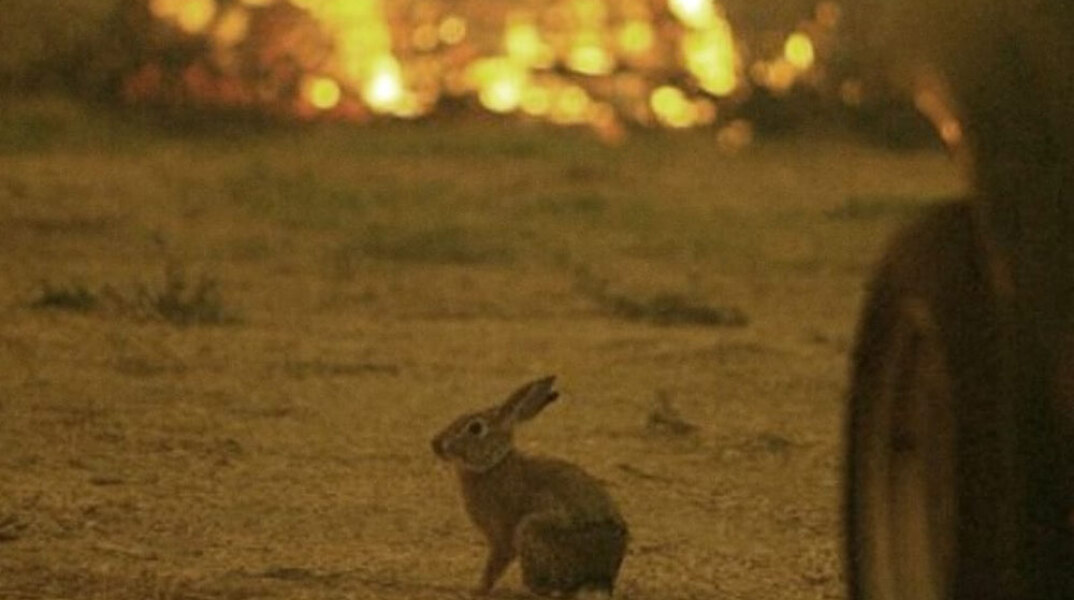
point(558, 520)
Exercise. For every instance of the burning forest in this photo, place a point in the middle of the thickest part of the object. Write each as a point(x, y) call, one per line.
point(603, 64)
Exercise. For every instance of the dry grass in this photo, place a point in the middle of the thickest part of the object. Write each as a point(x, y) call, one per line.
point(389, 278)
point(176, 298)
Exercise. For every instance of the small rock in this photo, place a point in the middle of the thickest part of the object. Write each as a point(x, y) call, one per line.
point(665, 418)
point(107, 480)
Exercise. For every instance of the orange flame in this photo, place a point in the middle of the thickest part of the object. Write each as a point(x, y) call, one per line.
point(596, 62)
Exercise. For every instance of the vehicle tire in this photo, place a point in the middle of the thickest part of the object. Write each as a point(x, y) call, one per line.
point(957, 487)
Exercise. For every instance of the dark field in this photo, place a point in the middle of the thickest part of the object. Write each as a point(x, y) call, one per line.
point(223, 353)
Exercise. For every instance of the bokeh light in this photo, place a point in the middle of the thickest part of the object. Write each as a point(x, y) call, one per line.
point(930, 102)
point(500, 83)
point(452, 29)
point(232, 27)
point(601, 63)
point(383, 89)
point(710, 56)
point(589, 57)
point(194, 16)
point(323, 93)
point(164, 9)
point(636, 37)
point(699, 14)
point(798, 50)
point(672, 107)
point(522, 42)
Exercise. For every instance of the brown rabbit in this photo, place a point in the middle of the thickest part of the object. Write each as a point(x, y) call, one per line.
point(556, 518)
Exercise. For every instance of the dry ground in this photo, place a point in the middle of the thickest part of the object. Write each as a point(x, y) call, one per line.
point(267, 436)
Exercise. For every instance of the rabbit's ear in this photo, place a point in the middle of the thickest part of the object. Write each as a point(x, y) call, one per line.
point(525, 402)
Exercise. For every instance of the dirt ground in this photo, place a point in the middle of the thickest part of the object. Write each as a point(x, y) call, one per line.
point(223, 353)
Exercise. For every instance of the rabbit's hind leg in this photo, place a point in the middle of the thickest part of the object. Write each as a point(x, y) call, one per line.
point(542, 541)
point(559, 558)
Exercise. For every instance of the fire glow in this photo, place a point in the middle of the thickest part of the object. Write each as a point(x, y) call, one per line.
point(601, 63)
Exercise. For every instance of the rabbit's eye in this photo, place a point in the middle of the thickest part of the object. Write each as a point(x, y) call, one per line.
point(476, 428)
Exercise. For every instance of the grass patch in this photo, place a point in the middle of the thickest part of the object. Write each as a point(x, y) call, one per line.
point(182, 301)
point(301, 199)
point(664, 308)
point(177, 299)
point(302, 369)
point(441, 244)
point(468, 136)
point(42, 124)
point(671, 308)
point(572, 204)
point(878, 207)
point(75, 297)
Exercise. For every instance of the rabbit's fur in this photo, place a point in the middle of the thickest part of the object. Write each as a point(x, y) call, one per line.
point(557, 519)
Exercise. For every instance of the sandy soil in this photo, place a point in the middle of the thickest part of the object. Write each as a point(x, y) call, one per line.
point(363, 288)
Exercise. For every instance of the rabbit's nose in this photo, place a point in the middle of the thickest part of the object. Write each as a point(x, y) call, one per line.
point(438, 447)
